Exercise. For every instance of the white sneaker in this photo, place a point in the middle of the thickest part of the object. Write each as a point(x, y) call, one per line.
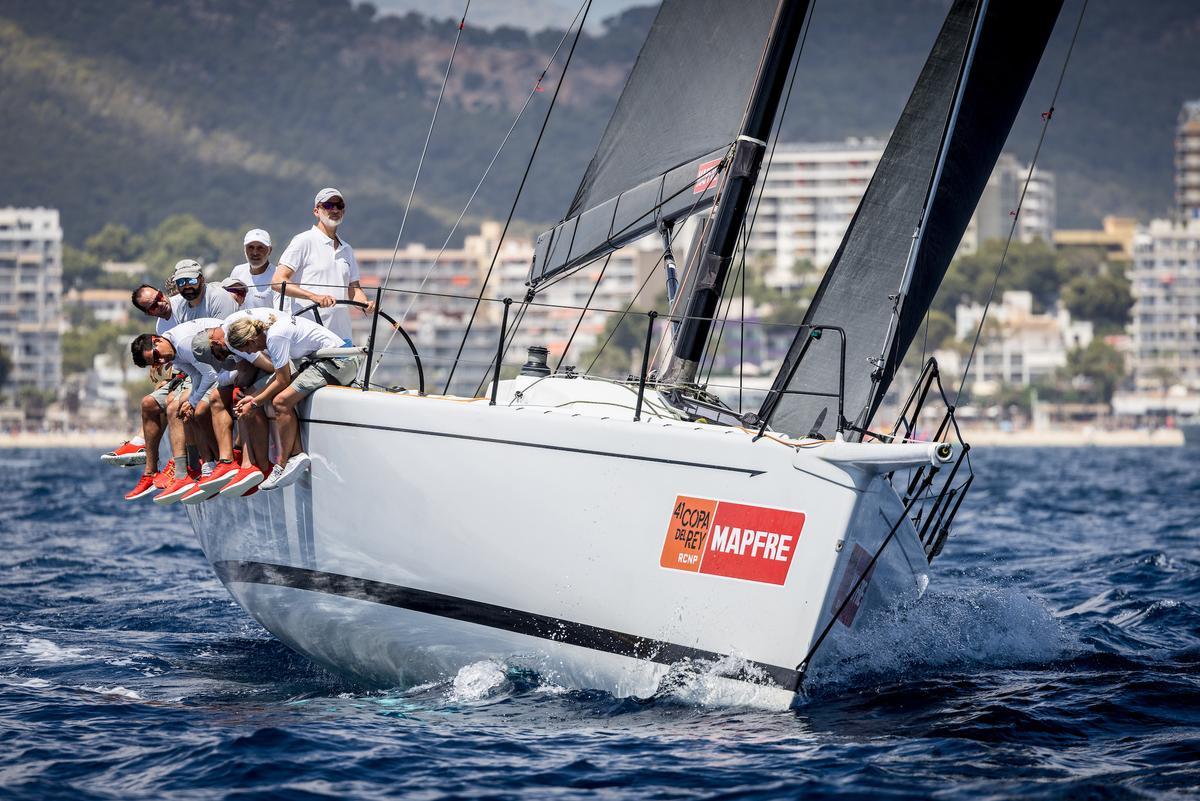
point(294, 469)
point(272, 481)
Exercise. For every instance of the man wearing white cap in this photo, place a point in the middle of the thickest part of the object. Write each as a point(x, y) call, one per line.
point(319, 267)
point(189, 280)
point(256, 273)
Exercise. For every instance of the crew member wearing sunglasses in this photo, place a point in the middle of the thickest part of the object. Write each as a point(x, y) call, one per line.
point(319, 267)
point(189, 280)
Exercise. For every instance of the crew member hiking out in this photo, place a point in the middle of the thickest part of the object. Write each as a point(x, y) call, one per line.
point(284, 339)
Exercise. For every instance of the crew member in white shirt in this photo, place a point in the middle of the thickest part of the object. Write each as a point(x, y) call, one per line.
point(284, 339)
point(256, 273)
point(175, 347)
point(319, 267)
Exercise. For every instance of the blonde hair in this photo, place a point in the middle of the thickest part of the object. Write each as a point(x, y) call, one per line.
point(245, 329)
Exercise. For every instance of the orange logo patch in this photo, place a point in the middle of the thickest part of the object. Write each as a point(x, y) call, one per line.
point(720, 538)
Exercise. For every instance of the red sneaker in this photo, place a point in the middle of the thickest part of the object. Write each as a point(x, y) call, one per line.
point(144, 487)
point(237, 456)
point(164, 477)
point(130, 453)
point(175, 490)
point(245, 480)
point(211, 484)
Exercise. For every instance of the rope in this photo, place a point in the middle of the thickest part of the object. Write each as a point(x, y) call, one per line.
point(524, 177)
point(1012, 229)
point(428, 135)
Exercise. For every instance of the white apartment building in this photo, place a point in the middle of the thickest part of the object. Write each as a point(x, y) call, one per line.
point(812, 190)
point(1187, 161)
point(1028, 346)
point(31, 296)
point(1165, 279)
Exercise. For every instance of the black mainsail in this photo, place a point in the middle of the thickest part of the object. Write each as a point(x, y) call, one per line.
point(915, 210)
point(675, 122)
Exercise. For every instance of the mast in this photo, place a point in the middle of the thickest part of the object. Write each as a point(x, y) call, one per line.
point(742, 169)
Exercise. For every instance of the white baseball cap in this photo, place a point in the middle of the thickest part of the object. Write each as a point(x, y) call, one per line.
point(256, 235)
point(327, 193)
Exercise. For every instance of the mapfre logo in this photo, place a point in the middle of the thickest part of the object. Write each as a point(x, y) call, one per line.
point(706, 177)
point(720, 538)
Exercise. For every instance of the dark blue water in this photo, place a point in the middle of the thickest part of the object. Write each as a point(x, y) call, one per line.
point(1057, 655)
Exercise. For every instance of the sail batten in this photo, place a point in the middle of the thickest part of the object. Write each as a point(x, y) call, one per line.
point(927, 185)
point(674, 123)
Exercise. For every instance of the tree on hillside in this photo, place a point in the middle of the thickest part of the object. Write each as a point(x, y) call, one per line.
point(1104, 299)
point(1100, 365)
point(182, 236)
point(115, 243)
point(1031, 266)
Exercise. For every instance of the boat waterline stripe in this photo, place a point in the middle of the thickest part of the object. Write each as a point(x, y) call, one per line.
point(745, 470)
point(479, 613)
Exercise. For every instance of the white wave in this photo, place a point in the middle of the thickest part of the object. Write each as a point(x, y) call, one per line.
point(479, 680)
point(45, 652)
point(731, 681)
point(974, 627)
point(36, 684)
point(118, 692)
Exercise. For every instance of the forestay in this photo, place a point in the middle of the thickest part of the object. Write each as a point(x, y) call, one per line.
point(674, 123)
point(958, 117)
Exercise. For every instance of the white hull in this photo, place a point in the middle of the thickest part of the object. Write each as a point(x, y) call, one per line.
point(433, 533)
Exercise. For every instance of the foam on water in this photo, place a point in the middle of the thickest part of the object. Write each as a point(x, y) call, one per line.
point(478, 681)
point(47, 652)
point(964, 629)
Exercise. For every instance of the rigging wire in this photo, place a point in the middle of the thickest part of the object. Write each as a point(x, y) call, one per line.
point(584, 312)
point(428, 136)
point(1012, 229)
point(487, 171)
point(524, 177)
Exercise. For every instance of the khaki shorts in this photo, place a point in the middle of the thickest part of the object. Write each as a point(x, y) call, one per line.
point(321, 372)
point(178, 384)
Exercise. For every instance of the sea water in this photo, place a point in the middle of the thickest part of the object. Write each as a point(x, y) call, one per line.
point(1055, 655)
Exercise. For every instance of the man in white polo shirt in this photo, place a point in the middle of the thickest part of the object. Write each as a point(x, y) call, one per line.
point(319, 267)
point(256, 273)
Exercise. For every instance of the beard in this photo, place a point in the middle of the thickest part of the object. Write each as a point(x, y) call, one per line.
point(328, 221)
point(190, 292)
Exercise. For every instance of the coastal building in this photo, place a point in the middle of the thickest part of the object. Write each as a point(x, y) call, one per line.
point(30, 297)
point(1187, 161)
point(1165, 282)
point(1025, 347)
point(994, 215)
point(811, 191)
point(1115, 238)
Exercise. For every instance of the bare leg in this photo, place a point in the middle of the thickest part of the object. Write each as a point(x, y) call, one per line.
point(222, 422)
point(152, 430)
point(202, 425)
point(289, 426)
point(255, 431)
point(176, 429)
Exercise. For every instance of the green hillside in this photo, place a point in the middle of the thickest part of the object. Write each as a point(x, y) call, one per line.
point(236, 111)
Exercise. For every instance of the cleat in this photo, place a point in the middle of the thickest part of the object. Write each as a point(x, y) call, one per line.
point(175, 490)
point(243, 482)
point(130, 453)
point(144, 487)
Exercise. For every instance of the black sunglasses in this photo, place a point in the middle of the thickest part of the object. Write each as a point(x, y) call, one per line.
point(330, 205)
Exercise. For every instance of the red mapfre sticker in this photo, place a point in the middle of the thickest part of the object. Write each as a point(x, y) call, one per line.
point(754, 543)
point(706, 177)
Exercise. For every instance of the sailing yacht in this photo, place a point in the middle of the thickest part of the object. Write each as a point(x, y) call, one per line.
point(602, 531)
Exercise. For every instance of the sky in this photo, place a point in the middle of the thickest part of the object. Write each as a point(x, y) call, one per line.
point(528, 14)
